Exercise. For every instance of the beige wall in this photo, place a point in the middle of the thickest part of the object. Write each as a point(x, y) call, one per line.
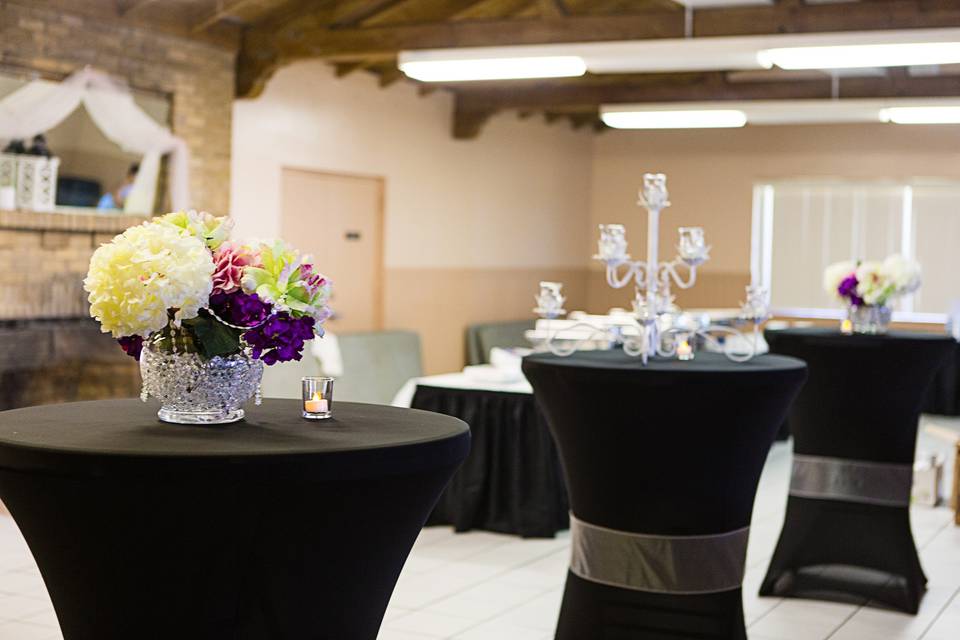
point(470, 226)
point(711, 174)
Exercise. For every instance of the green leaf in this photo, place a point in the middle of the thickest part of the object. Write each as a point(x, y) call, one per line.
point(215, 339)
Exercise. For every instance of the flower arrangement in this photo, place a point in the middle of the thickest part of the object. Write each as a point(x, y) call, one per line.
point(179, 282)
point(862, 283)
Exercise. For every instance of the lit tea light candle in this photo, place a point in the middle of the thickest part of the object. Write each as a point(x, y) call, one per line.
point(684, 350)
point(316, 404)
point(846, 327)
point(317, 398)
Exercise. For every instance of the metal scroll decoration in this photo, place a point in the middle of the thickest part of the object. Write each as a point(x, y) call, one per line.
point(657, 326)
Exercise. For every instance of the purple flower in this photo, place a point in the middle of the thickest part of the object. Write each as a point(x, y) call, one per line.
point(848, 289)
point(132, 346)
point(281, 338)
point(239, 309)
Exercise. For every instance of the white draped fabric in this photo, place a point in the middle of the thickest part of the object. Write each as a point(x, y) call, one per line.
point(41, 105)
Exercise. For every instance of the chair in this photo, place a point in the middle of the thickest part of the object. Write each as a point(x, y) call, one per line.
point(282, 380)
point(375, 365)
point(481, 338)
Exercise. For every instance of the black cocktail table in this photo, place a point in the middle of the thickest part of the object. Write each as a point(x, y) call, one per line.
point(274, 528)
point(662, 464)
point(854, 424)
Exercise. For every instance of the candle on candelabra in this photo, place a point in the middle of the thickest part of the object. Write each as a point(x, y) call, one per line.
point(692, 248)
point(684, 350)
point(612, 246)
point(550, 301)
point(846, 327)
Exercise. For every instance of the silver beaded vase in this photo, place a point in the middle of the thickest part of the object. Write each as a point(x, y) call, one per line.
point(195, 390)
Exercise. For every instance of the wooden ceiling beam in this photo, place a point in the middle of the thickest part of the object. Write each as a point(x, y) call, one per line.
point(493, 9)
point(702, 87)
point(475, 106)
point(795, 16)
point(389, 76)
point(126, 7)
point(767, 19)
point(343, 69)
point(223, 9)
point(419, 12)
point(305, 36)
point(363, 12)
point(372, 42)
point(552, 8)
point(468, 121)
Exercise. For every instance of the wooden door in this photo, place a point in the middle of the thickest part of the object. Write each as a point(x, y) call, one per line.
point(339, 220)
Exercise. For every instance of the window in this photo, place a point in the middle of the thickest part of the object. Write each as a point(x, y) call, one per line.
point(801, 227)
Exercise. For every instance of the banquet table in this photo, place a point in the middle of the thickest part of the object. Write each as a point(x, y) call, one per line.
point(272, 528)
point(662, 463)
point(511, 482)
point(854, 425)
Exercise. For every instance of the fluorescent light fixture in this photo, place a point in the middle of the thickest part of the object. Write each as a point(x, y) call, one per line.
point(862, 55)
point(921, 115)
point(494, 68)
point(674, 119)
point(647, 115)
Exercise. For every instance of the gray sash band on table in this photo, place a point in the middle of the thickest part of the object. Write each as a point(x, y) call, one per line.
point(878, 483)
point(661, 564)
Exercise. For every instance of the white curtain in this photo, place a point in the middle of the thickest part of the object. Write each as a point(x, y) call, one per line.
point(41, 105)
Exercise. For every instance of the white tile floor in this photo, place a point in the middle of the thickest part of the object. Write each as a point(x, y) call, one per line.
point(483, 586)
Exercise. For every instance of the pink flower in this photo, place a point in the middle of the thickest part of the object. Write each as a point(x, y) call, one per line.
point(228, 263)
point(312, 281)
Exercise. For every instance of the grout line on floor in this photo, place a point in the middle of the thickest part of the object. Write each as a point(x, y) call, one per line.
point(488, 578)
point(845, 621)
point(501, 613)
point(766, 613)
point(948, 524)
point(936, 618)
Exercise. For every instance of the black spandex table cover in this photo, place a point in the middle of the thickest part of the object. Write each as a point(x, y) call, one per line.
point(861, 404)
point(274, 528)
point(673, 449)
point(511, 482)
point(943, 396)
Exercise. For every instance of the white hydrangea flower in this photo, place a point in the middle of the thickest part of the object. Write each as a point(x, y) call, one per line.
point(870, 285)
point(835, 274)
point(902, 274)
point(207, 228)
point(134, 279)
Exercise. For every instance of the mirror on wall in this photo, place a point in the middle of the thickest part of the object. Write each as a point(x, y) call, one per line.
point(93, 172)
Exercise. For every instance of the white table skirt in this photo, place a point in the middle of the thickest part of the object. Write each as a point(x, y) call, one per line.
point(461, 380)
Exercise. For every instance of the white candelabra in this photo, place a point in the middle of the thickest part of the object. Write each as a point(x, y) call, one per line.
point(658, 328)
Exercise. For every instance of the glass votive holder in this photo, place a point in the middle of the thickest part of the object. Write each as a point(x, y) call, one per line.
point(684, 348)
point(317, 397)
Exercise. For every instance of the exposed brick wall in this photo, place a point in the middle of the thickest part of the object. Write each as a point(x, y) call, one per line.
point(44, 258)
point(53, 361)
point(198, 77)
